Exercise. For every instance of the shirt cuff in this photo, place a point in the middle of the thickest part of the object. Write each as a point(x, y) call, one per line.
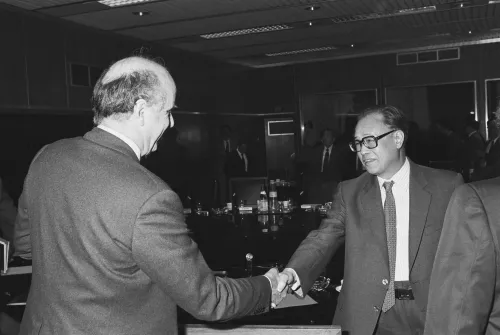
point(296, 287)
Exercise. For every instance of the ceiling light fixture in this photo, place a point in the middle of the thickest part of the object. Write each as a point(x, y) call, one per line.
point(257, 30)
point(493, 2)
point(118, 3)
point(302, 51)
point(352, 45)
point(375, 16)
point(310, 24)
point(312, 8)
point(140, 13)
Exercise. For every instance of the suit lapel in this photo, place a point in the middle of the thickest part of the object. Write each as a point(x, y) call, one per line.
point(372, 214)
point(420, 200)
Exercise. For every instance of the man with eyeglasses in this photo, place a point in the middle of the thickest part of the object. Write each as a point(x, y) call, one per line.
point(111, 250)
point(390, 219)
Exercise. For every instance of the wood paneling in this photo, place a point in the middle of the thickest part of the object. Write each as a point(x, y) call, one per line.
point(44, 45)
point(12, 61)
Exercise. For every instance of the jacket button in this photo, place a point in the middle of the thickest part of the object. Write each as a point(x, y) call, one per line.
point(376, 309)
point(385, 281)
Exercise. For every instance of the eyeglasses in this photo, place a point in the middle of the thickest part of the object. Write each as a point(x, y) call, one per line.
point(370, 142)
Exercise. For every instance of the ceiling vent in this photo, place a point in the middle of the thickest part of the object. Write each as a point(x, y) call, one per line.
point(428, 56)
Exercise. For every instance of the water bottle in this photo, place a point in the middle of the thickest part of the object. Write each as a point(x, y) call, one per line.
point(262, 205)
point(273, 197)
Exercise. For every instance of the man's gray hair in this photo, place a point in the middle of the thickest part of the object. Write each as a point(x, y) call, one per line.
point(117, 97)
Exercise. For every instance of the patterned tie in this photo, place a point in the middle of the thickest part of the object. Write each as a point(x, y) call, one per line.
point(390, 228)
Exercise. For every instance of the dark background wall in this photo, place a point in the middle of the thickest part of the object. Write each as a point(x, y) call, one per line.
point(38, 104)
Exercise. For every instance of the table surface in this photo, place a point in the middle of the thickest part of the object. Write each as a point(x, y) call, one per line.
point(224, 242)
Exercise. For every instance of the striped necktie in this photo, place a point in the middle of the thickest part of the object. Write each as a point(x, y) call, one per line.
point(390, 229)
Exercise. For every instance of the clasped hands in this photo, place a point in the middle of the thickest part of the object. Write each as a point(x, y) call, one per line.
point(281, 284)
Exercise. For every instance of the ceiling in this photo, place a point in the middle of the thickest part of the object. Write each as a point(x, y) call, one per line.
point(277, 32)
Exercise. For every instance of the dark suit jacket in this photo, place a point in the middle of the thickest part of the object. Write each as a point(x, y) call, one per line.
point(111, 252)
point(357, 218)
point(236, 165)
point(465, 282)
point(493, 156)
point(320, 186)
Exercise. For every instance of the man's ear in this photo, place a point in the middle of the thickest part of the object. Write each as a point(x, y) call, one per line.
point(399, 136)
point(139, 109)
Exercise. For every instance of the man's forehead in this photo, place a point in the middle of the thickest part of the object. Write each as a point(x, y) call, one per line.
point(369, 125)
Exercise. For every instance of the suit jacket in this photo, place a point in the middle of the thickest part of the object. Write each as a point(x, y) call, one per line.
point(236, 165)
point(357, 218)
point(320, 186)
point(465, 282)
point(493, 156)
point(111, 252)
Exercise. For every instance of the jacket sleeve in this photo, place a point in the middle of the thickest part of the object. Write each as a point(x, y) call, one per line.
point(22, 230)
point(462, 284)
point(164, 251)
point(314, 253)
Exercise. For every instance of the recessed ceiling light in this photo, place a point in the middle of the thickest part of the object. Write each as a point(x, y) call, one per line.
point(310, 24)
point(118, 3)
point(140, 13)
point(257, 30)
point(352, 45)
point(312, 8)
point(295, 52)
point(470, 31)
point(492, 2)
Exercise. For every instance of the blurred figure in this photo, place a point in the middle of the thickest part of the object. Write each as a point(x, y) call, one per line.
point(322, 169)
point(238, 162)
point(7, 214)
point(465, 283)
point(225, 145)
point(473, 150)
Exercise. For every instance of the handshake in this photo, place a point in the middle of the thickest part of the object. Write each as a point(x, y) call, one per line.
point(281, 284)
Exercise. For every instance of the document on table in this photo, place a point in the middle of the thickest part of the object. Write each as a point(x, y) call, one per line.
point(292, 300)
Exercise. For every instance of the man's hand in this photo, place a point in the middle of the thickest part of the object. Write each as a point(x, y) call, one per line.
point(273, 275)
point(339, 288)
point(288, 278)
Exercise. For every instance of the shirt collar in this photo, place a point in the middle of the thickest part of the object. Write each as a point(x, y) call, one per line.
point(401, 177)
point(124, 138)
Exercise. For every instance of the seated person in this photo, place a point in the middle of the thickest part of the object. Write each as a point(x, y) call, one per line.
point(7, 214)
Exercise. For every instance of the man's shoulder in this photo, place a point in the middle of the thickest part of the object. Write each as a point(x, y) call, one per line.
point(435, 175)
point(356, 183)
point(486, 187)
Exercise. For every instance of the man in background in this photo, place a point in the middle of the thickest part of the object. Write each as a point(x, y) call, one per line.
point(465, 283)
point(238, 162)
point(225, 145)
point(111, 251)
point(322, 169)
point(390, 220)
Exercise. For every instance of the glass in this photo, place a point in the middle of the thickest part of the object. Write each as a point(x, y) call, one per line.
point(370, 142)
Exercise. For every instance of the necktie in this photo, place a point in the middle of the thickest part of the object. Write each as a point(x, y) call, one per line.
point(390, 228)
point(326, 159)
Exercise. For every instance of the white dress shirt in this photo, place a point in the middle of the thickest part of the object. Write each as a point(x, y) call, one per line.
point(401, 192)
point(124, 138)
point(244, 157)
point(329, 149)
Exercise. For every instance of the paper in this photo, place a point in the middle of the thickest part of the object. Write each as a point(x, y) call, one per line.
point(293, 300)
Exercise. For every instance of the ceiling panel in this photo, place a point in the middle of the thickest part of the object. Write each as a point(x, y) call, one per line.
point(35, 4)
point(368, 24)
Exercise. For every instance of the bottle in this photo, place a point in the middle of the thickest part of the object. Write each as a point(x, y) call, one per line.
point(273, 197)
point(262, 206)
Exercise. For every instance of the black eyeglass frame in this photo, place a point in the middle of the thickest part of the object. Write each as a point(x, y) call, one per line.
point(354, 144)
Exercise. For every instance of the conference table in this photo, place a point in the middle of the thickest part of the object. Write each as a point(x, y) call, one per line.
point(225, 241)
